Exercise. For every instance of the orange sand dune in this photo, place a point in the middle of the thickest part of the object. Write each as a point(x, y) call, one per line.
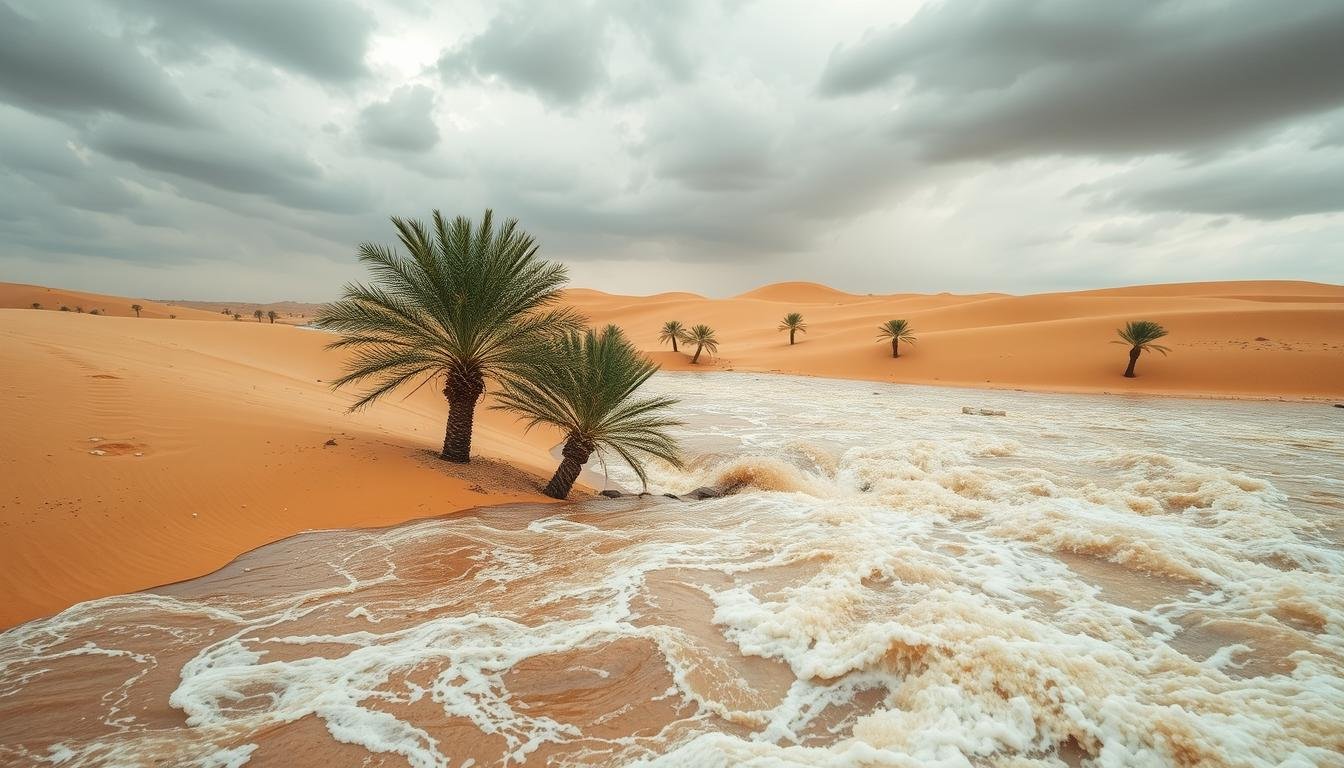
point(213, 439)
point(211, 436)
point(290, 312)
point(1234, 339)
point(19, 296)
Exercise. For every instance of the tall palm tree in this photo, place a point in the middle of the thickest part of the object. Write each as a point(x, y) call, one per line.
point(793, 323)
point(465, 304)
point(587, 390)
point(272, 315)
point(897, 331)
point(672, 331)
point(1140, 335)
point(136, 308)
point(702, 336)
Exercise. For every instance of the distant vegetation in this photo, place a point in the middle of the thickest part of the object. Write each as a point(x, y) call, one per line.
point(136, 308)
point(586, 390)
point(37, 305)
point(896, 331)
point(793, 323)
point(1140, 335)
point(272, 315)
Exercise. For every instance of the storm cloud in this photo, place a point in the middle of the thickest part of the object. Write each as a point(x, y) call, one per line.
point(244, 147)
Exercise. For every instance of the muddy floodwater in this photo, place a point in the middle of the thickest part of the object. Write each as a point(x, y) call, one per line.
point(1084, 581)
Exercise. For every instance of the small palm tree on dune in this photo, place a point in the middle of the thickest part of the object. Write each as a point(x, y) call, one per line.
point(793, 323)
point(896, 331)
point(37, 305)
point(702, 336)
point(587, 390)
point(672, 331)
point(257, 313)
point(272, 314)
point(464, 304)
point(1140, 335)
point(136, 309)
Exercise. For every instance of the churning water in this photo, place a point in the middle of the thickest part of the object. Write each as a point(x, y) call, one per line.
point(1102, 581)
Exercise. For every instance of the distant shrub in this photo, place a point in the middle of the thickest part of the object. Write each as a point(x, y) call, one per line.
point(64, 308)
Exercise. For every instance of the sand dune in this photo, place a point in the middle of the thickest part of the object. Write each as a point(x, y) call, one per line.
point(137, 453)
point(1237, 339)
point(19, 296)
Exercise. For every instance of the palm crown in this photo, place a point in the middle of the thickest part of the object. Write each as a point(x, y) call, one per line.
point(702, 336)
point(672, 331)
point(1141, 334)
point(463, 304)
point(587, 389)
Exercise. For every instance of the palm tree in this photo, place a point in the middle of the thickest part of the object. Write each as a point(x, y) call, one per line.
point(1140, 335)
point(272, 314)
point(136, 308)
point(672, 331)
point(793, 323)
point(465, 304)
point(897, 331)
point(237, 316)
point(37, 305)
point(587, 390)
point(702, 336)
point(257, 313)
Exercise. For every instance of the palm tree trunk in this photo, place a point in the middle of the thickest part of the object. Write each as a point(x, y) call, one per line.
point(696, 359)
point(895, 348)
point(674, 343)
point(1133, 358)
point(463, 390)
point(576, 454)
point(791, 332)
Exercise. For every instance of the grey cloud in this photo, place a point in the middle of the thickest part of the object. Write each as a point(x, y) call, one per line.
point(324, 39)
point(1264, 186)
point(231, 163)
point(59, 65)
point(402, 123)
point(718, 146)
point(1044, 77)
point(44, 154)
point(555, 52)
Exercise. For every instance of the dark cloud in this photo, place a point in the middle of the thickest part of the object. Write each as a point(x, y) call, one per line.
point(54, 63)
point(1048, 77)
point(1264, 186)
point(244, 165)
point(402, 123)
point(324, 39)
point(555, 52)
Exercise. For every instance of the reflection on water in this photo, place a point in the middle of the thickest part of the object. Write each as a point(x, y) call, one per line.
point(1088, 580)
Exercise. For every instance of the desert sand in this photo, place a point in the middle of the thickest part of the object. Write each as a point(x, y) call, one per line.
point(141, 451)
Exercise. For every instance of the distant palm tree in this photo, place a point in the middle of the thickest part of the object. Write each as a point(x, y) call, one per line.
point(272, 314)
point(37, 305)
point(586, 390)
point(793, 323)
point(237, 316)
point(1140, 335)
point(702, 336)
point(257, 313)
point(172, 317)
point(897, 331)
point(466, 304)
point(136, 308)
point(672, 331)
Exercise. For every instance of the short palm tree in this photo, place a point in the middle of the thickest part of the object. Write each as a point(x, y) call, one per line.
point(272, 315)
point(1140, 335)
point(587, 389)
point(702, 336)
point(37, 305)
point(464, 304)
point(897, 331)
point(136, 308)
point(257, 313)
point(672, 331)
point(793, 323)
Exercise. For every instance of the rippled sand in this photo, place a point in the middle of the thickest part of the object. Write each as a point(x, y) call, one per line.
point(1085, 581)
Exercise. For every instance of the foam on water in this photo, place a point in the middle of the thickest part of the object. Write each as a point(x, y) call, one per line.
point(1104, 581)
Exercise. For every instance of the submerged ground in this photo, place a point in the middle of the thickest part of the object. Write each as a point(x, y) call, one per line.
point(1107, 581)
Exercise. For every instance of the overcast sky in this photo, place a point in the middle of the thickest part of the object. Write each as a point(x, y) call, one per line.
point(242, 148)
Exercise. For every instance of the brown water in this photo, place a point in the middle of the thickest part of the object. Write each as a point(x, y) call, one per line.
point(1086, 581)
